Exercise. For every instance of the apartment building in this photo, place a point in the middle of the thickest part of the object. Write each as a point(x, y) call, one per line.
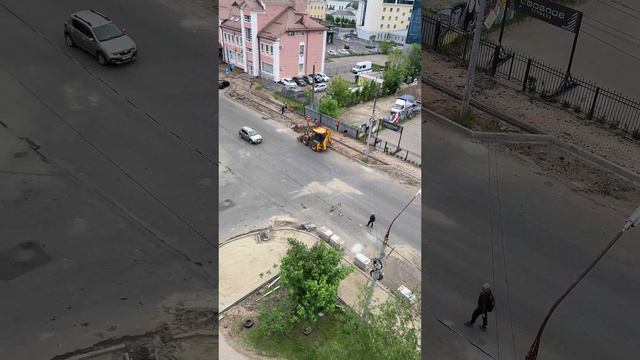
point(317, 9)
point(384, 19)
point(271, 39)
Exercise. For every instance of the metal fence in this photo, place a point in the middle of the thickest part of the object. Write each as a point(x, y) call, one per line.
point(582, 96)
point(332, 123)
point(340, 69)
point(392, 149)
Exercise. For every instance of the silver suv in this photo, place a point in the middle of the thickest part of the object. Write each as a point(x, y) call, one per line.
point(96, 34)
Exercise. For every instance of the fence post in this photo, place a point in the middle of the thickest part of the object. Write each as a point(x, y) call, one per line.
point(436, 37)
point(593, 104)
point(495, 59)
point(526, 75)
point(464, 50)
point(406, 155)
point(511, 67)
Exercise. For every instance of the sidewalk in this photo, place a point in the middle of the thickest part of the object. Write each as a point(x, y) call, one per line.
point(264, 103)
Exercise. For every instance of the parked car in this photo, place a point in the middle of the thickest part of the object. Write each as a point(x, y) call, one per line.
point(346, 46)
point(96, 34)
point(308, 79)
point(250, 135)
point(295, 92)
point(318, 78)
point(343, 52)
point(223, 84)
point(362, 67)
point(371, 46)
point(332, 52)
point(299, 81)
point(319, 87)
point(324, 77)
point(288, 82)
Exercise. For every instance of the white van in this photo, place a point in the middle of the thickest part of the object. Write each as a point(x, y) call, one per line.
point(362, 66)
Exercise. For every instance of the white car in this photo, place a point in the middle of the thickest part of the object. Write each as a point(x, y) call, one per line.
point(324, 77)
point(343, 52)
point(332, 52)
point(319, 87)
point(288, 82)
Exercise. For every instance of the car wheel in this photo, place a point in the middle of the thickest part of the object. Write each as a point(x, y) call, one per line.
point(102, 60)
point(68, 40)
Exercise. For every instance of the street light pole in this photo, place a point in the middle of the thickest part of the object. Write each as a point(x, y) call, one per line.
point(473, 58)
point(375, 273)
point(632, 221)
point(372, 121)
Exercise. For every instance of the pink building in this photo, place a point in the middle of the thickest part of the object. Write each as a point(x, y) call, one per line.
point(273, 39)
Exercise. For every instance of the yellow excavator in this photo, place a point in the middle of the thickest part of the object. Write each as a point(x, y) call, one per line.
point(318, 138)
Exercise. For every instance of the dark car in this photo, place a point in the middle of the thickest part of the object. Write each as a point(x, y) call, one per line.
point(299, 81)
point(223, 84)
point(309, 79)
point(250, 135)
point(318, 78)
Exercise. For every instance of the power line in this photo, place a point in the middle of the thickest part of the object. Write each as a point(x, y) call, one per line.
point(622, 11)
point(611, 27)
point(613, 46)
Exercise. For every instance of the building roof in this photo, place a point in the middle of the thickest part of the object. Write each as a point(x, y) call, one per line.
point(341, 13)
point(289, 20)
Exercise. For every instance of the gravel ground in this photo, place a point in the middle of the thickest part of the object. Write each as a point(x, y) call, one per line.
point(548, 117)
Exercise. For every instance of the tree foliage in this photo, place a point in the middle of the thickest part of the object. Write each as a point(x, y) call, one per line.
point(310, 277)
point(330, 107)
point(385, 46)
point(392, 331)
point(413, 61)
point(338, 89)
point(392, 79)
point(368, 90)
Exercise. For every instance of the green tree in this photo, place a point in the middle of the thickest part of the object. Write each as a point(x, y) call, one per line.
point(385, 46)
point(392, 79)
point(310, 277)
point(391, 332)
point(413, 61)
point(330, 107)
point(330, 18)
point(368, 90)
point(338, 89)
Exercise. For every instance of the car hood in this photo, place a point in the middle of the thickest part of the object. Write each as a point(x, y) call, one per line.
point(118, 44)
point(255, 137)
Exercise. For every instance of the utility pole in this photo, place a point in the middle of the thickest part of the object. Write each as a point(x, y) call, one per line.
point(376, 273)
point(372, 121)
point(473, 58)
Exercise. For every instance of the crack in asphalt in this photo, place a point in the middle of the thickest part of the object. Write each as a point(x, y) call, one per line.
point(36, 147)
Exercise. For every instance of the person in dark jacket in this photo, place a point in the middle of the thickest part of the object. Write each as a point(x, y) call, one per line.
point(372, 219)
point(486, 303)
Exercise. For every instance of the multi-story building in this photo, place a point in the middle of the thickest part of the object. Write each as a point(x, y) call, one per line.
point(317, 9)
point(272, 39)
point(384, 19)
point(414, 33)
point(335, 5)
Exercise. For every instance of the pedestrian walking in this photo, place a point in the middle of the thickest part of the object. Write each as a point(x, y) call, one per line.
point(372, 219)
point(486, 303)
point(282, 109)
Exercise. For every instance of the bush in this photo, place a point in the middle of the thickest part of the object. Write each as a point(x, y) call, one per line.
point(467, 119)
point(329, 107)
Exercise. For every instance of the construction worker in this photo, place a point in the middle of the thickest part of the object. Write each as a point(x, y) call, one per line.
point(372, 219)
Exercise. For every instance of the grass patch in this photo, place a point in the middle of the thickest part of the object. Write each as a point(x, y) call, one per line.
point(467, 119)
point(259, 87)
point(295, 104)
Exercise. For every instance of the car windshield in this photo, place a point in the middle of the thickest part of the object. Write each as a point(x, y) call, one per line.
point(107, 32)
point(252, 133)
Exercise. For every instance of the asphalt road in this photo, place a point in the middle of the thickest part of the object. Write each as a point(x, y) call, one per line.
point(608, 49)
point(282, 177)
point(491, 219)
point(127, 222)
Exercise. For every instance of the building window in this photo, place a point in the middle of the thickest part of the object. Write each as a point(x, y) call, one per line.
point(394, 26)
point(247, 33)
point(300, 68)
point(301, 49)
point(268, 68)
point(381, 26)
point(397, 9)
point(384, 9)
point(388, 26)
point(403, 14)
point(401, 22)
point(247, 18)
point(383, 18)
point(291, 33)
